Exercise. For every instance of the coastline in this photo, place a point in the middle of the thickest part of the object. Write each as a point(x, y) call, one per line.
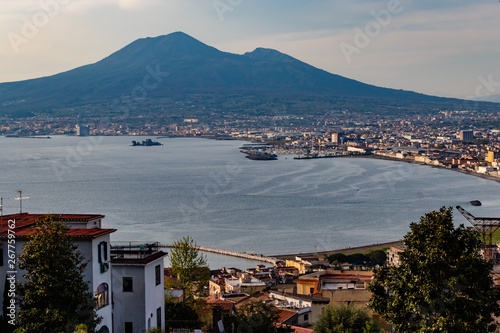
point(465, 172)
point(349, 250)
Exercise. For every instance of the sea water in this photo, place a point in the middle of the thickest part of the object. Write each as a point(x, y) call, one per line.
point(208, 190)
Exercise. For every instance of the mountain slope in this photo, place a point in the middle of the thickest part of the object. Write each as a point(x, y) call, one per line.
point(140, 68)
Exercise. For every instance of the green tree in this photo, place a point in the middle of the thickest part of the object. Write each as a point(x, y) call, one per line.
point(82, 328)
point(377, 257)
point(54, 298)
point(190, 267)
point(181, 315)
point(345, 319)
point(337, 258)
point(442, 285)
point(257, 317)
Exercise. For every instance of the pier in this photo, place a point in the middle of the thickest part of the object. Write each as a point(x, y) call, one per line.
point(233, 254)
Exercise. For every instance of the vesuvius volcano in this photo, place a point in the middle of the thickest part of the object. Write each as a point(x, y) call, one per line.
point(178, 65)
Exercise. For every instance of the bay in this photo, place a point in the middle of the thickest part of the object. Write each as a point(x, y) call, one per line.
point(207, 189)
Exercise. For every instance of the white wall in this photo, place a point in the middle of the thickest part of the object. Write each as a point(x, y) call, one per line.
point(98, 278)
point(155, 295)
point(128, 306)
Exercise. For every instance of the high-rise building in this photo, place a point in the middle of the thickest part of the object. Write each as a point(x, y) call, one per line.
point(82, 130)
point(466, 135)
point(335, 138)
point(492, 155)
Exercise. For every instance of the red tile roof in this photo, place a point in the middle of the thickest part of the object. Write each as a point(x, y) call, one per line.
point(348, 277)
point(301, 329)
point(285, 315)
point(24, 223)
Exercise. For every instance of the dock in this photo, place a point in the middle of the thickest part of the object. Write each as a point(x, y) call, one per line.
point(243, 255)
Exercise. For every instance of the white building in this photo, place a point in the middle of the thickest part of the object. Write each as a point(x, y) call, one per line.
point(94, 243)
point(485, 169)
point(139, 300)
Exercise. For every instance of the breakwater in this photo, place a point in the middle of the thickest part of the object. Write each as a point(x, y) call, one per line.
point(249, 256)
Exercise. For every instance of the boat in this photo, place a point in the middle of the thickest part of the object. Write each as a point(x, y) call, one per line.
point(259, 155)
point(476, 203)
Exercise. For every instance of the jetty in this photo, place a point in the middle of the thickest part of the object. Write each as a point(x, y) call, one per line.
point(243, 255)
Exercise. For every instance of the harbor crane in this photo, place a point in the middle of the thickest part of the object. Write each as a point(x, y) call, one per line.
point(486, 227)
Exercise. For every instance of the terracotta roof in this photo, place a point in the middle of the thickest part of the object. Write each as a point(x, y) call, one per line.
point(313, 280)
point(285, 315)
point(314, 299)
point(24, 223)
point(346, 277)
point(227, 305)
point(207, 310)
point(75, 233)
point(301, 329)
point(258, 296)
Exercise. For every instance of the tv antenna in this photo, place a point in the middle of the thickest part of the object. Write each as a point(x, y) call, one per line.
point(1, 206)
point(21, 198)
point(1, 211)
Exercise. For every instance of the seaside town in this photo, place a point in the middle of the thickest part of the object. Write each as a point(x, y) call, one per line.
point(233, 166)
point(461, 140)
point(297, 289)
point(135, 292)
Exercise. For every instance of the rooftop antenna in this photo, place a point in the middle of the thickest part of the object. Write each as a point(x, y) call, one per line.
point(21, 198)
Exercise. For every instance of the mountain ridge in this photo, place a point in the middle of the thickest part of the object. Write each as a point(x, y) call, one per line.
point(193, 68)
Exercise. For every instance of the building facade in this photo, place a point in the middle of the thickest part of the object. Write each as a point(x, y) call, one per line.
point(138, 296)
point(102, 271)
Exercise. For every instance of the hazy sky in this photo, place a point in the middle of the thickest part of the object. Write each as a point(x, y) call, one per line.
point(447, 48)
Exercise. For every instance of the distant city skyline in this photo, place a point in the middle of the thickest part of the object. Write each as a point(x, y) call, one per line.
point(448, 48)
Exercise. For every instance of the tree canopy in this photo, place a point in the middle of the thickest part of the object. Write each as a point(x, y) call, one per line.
point(257, 317)
point(190, 267)
point(372, 258)
point(345, 318)
point(55, 298)
point(442, 285)
point(181, 315)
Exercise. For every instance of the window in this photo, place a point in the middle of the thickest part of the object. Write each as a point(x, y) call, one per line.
point(306, 317)
point(158, 274)
point(101, 295)
point(158, 317)
point(128, 284)
point(104, 329)
point(311, 291)
point(129, 328)
point(102, 251)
